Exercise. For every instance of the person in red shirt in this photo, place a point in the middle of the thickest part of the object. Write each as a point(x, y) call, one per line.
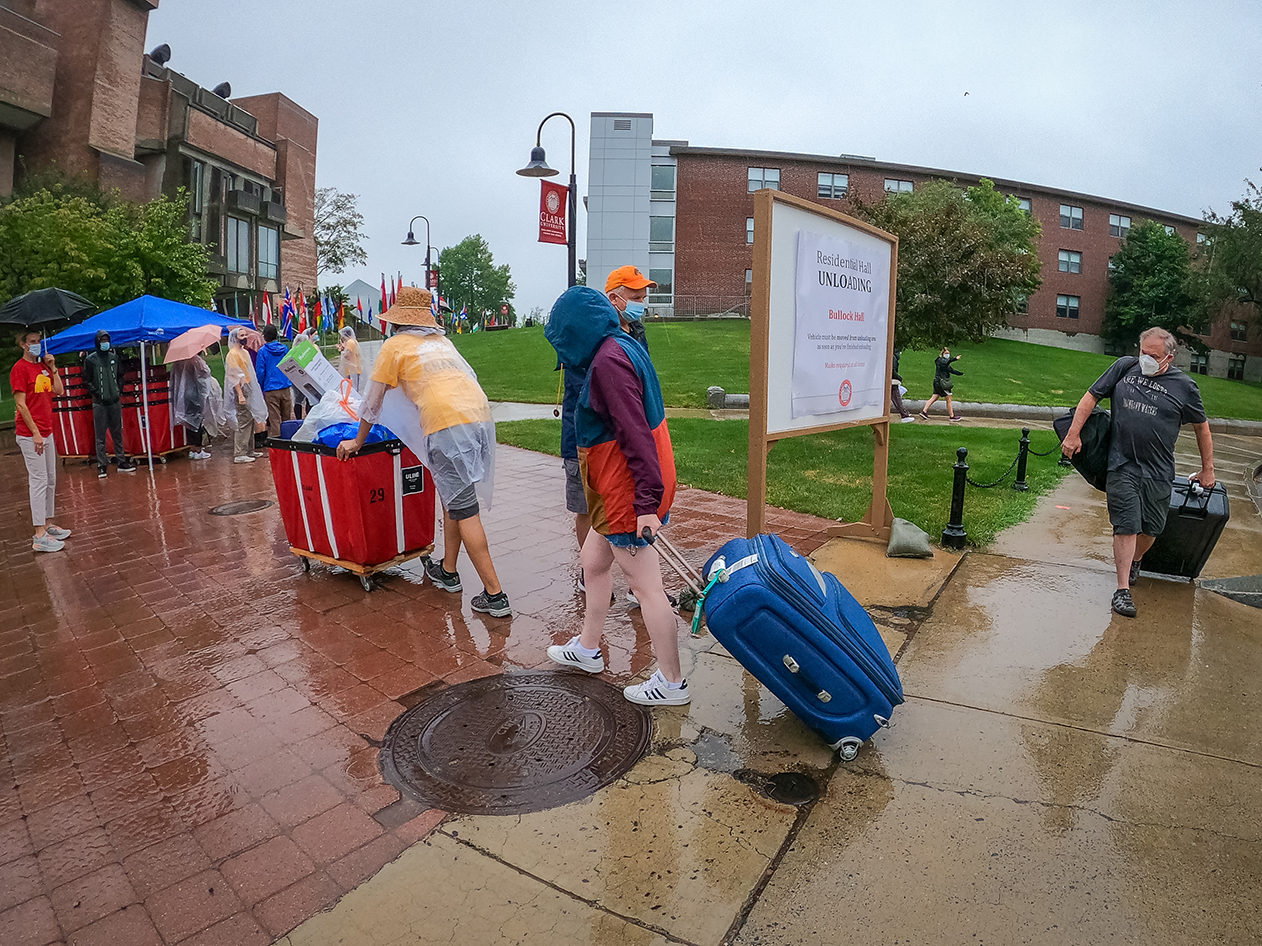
point(35, 383)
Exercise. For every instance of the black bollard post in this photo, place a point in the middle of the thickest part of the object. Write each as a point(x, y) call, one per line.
point(1021, 486)
point(953, 535)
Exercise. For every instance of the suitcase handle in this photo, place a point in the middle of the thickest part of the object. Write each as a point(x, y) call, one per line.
point(1201, 510)
point(794, 667)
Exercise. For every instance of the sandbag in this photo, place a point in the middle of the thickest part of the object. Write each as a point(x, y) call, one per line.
point(908, 540)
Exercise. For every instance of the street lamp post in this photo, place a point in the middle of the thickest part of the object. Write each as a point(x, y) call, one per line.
point(538, 167)
point(413, 241)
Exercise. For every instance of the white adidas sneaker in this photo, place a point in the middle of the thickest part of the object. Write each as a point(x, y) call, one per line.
point(568, 655)
point(655, 691)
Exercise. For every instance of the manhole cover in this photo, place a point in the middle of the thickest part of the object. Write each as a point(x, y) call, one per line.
point(241, 507)
point(792, 788)
point(512, 744)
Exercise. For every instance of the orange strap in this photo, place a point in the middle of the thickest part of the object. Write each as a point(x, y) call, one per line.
point(345, 402)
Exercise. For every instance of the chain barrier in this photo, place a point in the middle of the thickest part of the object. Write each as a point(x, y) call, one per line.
point(1045, 453)
point(971, 482)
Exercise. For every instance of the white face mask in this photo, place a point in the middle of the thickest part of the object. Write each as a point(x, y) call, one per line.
point(1149, 365)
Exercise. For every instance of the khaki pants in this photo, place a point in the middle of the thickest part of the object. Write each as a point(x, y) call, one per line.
point(280, 407)
point(243, 437)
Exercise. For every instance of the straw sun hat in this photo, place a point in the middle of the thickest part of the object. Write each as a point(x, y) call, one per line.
point(411, 307)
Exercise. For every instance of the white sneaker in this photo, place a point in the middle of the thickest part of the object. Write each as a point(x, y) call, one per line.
point(909, 419)
point(60, 534)
point(199, 455)
point(655, 691)
point(245, 458)
point(46, 543)
point(568, 655)
point(632, 600)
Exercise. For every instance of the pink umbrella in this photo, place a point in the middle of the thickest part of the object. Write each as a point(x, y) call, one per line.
point(192, 342)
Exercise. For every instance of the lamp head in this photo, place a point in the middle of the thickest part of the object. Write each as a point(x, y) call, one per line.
point(411, 240)
point(538, 166)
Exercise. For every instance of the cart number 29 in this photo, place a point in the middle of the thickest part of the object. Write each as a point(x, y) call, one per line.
point(377, 495)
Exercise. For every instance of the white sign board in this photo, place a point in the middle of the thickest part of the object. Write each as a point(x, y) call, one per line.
point(828, 320)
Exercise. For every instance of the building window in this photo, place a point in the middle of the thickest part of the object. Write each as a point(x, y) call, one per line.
point(269, 253)
point(1070, 217)
point(237, 245)
point(1070, 262)
point(1239, 331)
point(1119, 225)
point(665, 287)
point(749, 276)
point(897, 187)
point(764, 177)
point(1024, 203)
point(1067, 307)
point(749, 229)
point(1235, 368)
point(1200, 364)
point(834, 186)
point(1169, 230)
point(662, 186)
point(1022, 306)
point(196, 197)
point(1202, 238)
point(661, 234)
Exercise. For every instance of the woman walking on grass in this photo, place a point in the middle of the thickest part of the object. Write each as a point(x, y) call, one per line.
point(942, 372)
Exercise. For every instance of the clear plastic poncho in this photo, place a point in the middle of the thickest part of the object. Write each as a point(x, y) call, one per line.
point(196, 397)
point(426, 393)
point(349, 364)
point(238, 371)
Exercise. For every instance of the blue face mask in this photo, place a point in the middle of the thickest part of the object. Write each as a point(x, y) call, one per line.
point(105, 346)
point(634, 311)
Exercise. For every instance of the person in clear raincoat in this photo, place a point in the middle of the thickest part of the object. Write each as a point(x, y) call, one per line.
point(426, 393)
point(242, 398)
point(198, 403)
point(349, 364)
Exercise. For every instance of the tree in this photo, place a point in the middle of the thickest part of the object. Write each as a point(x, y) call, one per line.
point(966, 260)
point(1149, 285)
point(107, 249)
point(338, 239)
point(1229, 262)
point(470, 277)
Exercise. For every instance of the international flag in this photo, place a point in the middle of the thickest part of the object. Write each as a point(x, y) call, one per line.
point(385, 299)
point(359, 305)
point(302, 310)
point(287, 316)
point(328, 314)
point(341, 316)
point(267, 310)
point(315, 321)
point(393, 297)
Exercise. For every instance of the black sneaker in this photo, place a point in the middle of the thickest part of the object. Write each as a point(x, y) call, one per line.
point(496, 606)
point(101, 472)
point(1135, 566)
point(1123, 604)
point(127, 467)
point(448, 581)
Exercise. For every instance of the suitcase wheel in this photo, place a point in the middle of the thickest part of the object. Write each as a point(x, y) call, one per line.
point(306, 563)
point(849, 748)
point(366, 582)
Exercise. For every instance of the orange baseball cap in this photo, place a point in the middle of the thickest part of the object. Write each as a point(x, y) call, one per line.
point(627, 276)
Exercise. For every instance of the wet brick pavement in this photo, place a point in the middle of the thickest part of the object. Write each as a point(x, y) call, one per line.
point(188, 722)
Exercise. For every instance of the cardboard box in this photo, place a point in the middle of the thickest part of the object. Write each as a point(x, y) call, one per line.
point(309, 371)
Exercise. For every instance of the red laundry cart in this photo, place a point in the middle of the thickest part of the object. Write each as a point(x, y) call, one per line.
point(364, 514)
point(74, 431)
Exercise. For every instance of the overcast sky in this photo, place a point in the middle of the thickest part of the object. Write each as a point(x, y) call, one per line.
point(428, 108)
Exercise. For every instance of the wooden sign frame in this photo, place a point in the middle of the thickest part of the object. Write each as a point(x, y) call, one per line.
point(879, 519)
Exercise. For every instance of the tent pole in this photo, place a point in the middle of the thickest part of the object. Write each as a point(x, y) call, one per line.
point(144, 396)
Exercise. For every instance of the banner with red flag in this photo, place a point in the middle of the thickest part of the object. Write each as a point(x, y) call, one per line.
point(552, 198)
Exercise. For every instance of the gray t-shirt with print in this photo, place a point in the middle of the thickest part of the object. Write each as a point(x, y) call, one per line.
point(1147, 415)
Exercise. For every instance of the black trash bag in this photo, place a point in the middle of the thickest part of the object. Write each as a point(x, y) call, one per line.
point(1092, 461)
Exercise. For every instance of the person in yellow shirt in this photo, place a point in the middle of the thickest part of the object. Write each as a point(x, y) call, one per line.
point(426, 393)
point(349, 364)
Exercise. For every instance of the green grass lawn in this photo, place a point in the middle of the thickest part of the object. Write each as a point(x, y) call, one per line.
point(830, 475)
point(690, 356)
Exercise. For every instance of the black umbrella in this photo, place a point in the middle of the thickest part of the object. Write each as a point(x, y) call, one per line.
point(43, 305)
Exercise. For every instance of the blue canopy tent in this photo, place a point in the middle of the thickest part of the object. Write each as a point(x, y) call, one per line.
point(147, 320)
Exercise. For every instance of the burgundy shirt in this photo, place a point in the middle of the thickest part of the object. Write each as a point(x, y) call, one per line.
point(617, 394)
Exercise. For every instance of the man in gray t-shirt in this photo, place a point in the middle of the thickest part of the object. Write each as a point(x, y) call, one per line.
point(1151, 400)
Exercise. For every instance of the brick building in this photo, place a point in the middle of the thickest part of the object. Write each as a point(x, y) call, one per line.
point(685, 215)
point(78, 91)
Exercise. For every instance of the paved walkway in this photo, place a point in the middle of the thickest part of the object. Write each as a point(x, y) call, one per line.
point(187, 720)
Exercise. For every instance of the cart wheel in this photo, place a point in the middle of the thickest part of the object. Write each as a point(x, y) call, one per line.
point(306, 563)
point(366, 582)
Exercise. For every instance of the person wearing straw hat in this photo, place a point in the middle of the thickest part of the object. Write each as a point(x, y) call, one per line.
point(424, 391)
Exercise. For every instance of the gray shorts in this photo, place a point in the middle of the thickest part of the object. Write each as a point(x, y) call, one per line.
point(575, 497)
point(1137, 504)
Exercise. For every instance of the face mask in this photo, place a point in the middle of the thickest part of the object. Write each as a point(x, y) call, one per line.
point(1149, 365)
point(634, 311)
point(105, 346)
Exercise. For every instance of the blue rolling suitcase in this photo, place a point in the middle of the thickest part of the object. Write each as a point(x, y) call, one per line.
point(804, 637)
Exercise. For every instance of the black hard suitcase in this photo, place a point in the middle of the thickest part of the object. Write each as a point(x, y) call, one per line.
point(1196, 520)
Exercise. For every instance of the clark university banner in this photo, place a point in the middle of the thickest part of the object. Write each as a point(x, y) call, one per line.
point(842, 327)
point(552, 198)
